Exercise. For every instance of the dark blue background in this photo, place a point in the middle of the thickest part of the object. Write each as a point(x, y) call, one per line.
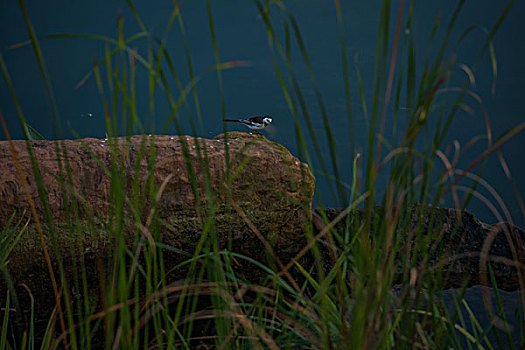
point(252, 90)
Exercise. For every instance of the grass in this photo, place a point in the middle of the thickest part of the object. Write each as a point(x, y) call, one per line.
point(370, 284)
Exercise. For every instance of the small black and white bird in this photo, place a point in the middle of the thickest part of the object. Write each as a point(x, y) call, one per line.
point(254, 123)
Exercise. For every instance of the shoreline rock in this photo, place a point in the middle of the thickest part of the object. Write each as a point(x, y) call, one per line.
point(459, 253)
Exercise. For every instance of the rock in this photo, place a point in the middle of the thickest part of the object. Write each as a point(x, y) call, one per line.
point(461, 241)
point(269, 186)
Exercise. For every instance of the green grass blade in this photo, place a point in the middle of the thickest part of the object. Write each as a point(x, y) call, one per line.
point(5, 322)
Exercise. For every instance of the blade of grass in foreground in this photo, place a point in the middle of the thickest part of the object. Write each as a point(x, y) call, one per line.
point(275, 44)
point(500, 324)
point(328, 129)
point(41, 191)
point(9, 238)
point(5, 321)
point(346, 77)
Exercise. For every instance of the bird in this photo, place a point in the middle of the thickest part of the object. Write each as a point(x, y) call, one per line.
point(254, 123)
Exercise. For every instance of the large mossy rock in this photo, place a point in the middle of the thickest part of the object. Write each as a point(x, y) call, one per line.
point(228, 185)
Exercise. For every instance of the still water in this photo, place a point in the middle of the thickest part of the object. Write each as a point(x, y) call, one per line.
point(254, 89)
point(507, 316)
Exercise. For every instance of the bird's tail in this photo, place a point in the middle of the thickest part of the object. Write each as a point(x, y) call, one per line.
point(232, 120)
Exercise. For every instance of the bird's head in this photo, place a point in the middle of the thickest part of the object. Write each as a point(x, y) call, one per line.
point(267, 119)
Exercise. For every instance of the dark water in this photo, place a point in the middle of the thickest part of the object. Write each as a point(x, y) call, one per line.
point(252, 90)
point(506, 318)
point(255, 89)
